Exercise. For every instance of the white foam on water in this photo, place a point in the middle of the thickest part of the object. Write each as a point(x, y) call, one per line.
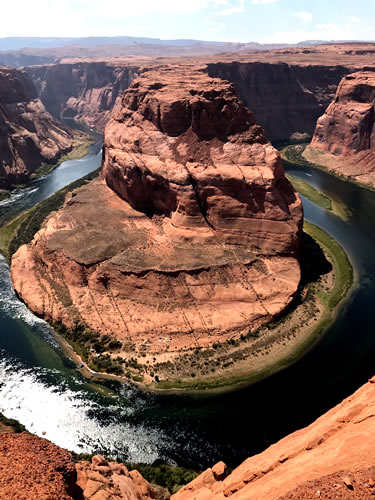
point(68, 419)
point(9, 302)
point(17, 195)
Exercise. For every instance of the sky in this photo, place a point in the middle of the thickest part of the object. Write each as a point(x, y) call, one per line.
point(264, 21)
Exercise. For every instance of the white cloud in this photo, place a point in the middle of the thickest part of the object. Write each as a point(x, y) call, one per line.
point(231, 11)
point(262, 2)
point(214, 27)
point(89, 17)
point(326, 32)
point(306, 17)
point(354, 19)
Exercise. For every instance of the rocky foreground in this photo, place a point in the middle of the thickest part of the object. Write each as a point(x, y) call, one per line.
point(29, 136)
point(190, 238)
point(344, 137)
point(333, 458)
point(34, 469)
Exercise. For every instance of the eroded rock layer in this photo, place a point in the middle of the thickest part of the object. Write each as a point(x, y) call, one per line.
point(332, 458)
point(344, 138)
point(29, 136)
point(192, 234)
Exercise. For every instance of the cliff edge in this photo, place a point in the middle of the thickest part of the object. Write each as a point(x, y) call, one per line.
point(344, 137)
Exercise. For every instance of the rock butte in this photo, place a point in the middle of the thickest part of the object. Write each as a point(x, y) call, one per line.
point(192, 234)
point(29, 136)
point(344, 137)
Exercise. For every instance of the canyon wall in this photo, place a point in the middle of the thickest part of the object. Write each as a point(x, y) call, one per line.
point(83, 91)
point(286, 89)
point(29, 136)
point(344, 138)
point(286, 98)
point(202, 229)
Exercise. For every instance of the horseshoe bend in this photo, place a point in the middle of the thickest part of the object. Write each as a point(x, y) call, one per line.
point(190, 238)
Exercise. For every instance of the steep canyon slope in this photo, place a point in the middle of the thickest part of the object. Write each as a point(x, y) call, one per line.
point(344, 138)
point(29, 135)
point(192, 235)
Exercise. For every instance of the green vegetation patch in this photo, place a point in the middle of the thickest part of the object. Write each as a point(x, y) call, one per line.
point(168, 476)
point(4, 194)
point(7, 424)
point(21, 230)
point(310, 192)
point(292, 155)
point(79, 150)
point(341, 262)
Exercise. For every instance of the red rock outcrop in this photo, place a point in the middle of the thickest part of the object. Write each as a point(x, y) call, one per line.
point(32, 468)
point(29, 136)
point(332, 458)
point(199, 244)
point(344, 138)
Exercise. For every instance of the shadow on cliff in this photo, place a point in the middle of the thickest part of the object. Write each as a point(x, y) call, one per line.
point(314, 263)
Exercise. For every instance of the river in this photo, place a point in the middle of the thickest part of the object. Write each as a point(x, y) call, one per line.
point(41, 388)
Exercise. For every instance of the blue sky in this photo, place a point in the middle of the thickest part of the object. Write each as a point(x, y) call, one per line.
point(226, 20)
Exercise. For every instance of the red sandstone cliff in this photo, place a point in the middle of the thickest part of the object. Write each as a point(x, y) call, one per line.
point(83, 91)
point(344, 138)
point(332, 458)
point(29, 136)
point(200, 243)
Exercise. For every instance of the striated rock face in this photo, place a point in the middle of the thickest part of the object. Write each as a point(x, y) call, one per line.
point(191, 237)
point(83, 91)
point(344, 138)
point(332, 458)
point(29, 135)
point(33, 468)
